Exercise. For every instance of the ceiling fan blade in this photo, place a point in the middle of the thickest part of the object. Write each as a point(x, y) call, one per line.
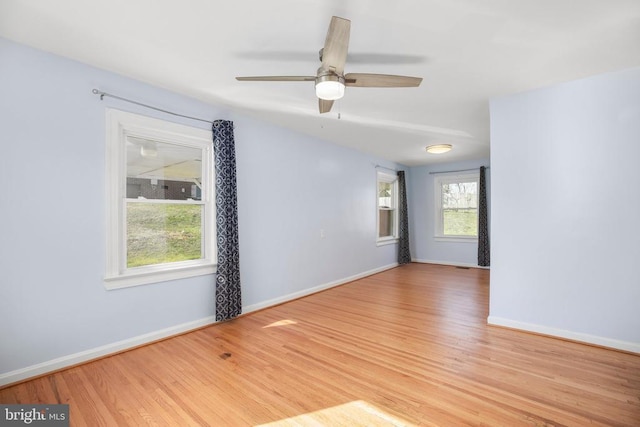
point(324, 105)
point(380, 80)
point(277, 79)
point(334, 54)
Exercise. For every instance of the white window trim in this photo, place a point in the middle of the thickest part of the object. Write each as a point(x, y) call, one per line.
point(439, 221)
point(382, 241)
point(120, 125)
point(387, 240)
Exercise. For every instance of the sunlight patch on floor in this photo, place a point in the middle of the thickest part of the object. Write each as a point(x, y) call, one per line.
point(283, 322)
point(352, 414)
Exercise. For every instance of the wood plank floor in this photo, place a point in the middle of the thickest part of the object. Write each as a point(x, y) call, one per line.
point(409, 346)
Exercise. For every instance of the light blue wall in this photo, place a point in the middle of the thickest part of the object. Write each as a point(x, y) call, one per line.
point(566, 208)
point(421, 197)
point(289, 189)
point(52, 247)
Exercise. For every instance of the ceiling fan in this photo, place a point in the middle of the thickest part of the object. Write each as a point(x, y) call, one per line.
point(330, 80)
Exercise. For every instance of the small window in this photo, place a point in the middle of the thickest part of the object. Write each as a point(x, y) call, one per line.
point(160, 201)
point(456, 202)
point(387, 204)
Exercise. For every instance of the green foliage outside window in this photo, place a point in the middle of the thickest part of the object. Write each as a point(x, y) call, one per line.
point(461, 222)
point(159, 233)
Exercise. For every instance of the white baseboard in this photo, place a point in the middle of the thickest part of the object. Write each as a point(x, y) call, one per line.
point(455, 264)
point(561, 333)
point(116, 347)
point(95, 353)
point(305, 292)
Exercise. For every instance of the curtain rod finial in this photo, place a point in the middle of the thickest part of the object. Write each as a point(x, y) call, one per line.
point(97, 92)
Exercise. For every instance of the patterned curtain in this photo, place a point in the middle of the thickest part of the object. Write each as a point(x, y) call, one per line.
point(483, 223)
point(228, 295)
point(404, 255)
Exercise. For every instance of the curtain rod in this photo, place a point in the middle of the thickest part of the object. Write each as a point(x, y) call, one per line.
point(103, 94)
point(384, 167)
point(460, 170)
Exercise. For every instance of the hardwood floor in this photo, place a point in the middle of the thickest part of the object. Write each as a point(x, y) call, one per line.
point(409, 346)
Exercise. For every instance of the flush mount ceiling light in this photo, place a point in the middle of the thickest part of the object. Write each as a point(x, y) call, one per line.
point(438, 148)
point(330, 87)
point(148, 151)
point(148, 148)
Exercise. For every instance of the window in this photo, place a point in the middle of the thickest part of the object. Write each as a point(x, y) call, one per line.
point(457, 206)
point(387, 203)
point(160, 217)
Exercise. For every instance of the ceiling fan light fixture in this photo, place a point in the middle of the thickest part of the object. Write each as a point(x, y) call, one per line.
point(330, 87)
point(330, 79)
point(438, 148)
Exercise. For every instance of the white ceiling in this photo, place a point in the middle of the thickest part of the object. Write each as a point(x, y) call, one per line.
point(467, 51)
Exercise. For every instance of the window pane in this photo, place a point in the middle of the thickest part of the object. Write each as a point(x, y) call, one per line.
point(460, 222)
point(385, 192)
point(160, 170)
point(385, 226)
point(460, 195)
point(159, 233)
point(460, 208)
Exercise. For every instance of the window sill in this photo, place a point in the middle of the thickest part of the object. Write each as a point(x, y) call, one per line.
point(384, 242)
point(456, 239)
point(145, 276)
